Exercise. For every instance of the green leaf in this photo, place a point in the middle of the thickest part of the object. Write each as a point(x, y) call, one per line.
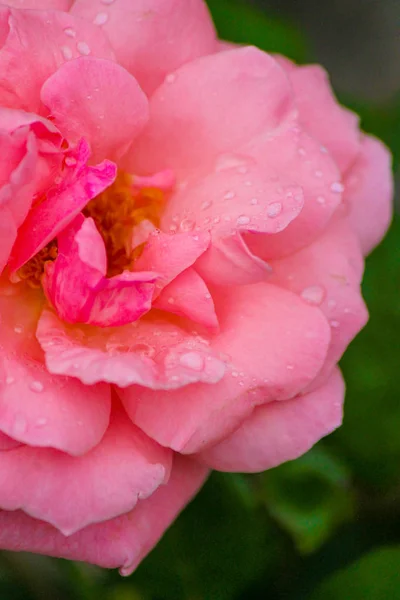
point(375, 576)
point(309, 497)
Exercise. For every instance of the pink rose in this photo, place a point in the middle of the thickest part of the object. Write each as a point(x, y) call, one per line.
point(182, 239)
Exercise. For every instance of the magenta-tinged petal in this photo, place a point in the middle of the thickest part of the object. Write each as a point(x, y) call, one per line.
point(369, 193)
point(152, 37)
point(328, 274)
point(41, 4)
point(321, 115)
point(7, 443)
point(77, 286)
point(125, 460)
point(62, 204)
point(151, 352)
point(98, 100)
point(209, 107)
point(274, 345)
point(280, 431)
point(52, 37)
point(188, 296)
point(169, 255)
point(121, 542)
point(36, 407)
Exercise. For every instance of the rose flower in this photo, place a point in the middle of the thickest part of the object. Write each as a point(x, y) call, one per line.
point(183, 227)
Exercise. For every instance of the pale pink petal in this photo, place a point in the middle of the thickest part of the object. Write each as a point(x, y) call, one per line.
point(36, 407)
point(62, 204)
point(280, 431)
point(369, 193)
point(274, 344)
point(107, 106)
point(73, 492)
point(169, 255)
point(122, 542)
point(77, 286)
point(328, 274)
point(209, 107)
point(52, 37)
point(336, 127)
point(188, 296)
point(164, 180)
point(152, 37)
point(293, 154)
point(151, 352)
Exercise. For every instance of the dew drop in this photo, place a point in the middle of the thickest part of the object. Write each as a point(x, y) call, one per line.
point(187, 225)
point(254, 201)
point(334, 324)
point(206, 204)
point(313, 294)
point(318, 174)
point(83, 48)
point(100, 18)
point(235, 374)
point(337, 187)
point(171, 300)
point(66, 52)
point(192, 360)
point(171, 78)
point(37, 386)
point(18, 329)
point(274, 209)
point(70, 161)
point(70, 32)
point(41, 421)
point(301, 151)
point(9, 380)
point(229, 195)
point(248, 183)
point(243, 220)
point(216, 219)
point(321, 200)
point(208, 296)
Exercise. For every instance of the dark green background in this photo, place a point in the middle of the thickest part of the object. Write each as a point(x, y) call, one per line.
point(326, 526)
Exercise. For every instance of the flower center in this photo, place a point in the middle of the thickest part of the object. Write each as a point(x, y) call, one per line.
point(116, 212)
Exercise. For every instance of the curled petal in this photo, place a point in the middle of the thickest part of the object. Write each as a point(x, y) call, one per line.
point(125, 458)
point(62, 204)
point(36, 407)
point(151, 38)
point(280, 431)
point(151, 352)
point(107, 108)
point(52, 37)
point(369, 193)
point(121, 542)
point(274, 346)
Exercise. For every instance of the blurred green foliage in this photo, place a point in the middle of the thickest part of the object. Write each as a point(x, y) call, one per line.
point(324, 527)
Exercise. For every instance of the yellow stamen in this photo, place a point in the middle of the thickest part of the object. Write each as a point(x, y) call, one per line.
point(33, 270)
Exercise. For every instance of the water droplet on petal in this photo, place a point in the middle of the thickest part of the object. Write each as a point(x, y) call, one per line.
point(301, 151)
point(41, 421)
point(171, 300)
point(66, 52)
point(243, 220)
point(254, 201)
point(321, 200)
point(235, 374)
point(229, 195)
point(170, 78)
point(37, 386)
point(100, 18)
point(318, 174)
point(187, 225)
point(274, 209)
point(314, 294)
point(192, 360)
point(206, 204)
point(18, 329)
point(337, 187)
point(83, 48)
point(70, 32)
point(334, 324)
point(9, 380)
point(70, 161)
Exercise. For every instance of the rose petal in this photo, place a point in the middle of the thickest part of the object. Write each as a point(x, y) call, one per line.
point(321, 115)
point(107, 107)
point(369, 193)
point(61, 205)
point(152, 37)
point(188, 296)
point(122, 542)
point(125, 460)
point(52, 37)
point(274, 345)
point(151, 352)
point(38, 408)
point(209, 107)
point(280, 431)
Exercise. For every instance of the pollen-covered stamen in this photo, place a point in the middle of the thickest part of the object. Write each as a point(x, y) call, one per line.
point(116, 212)
point(32, 271)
